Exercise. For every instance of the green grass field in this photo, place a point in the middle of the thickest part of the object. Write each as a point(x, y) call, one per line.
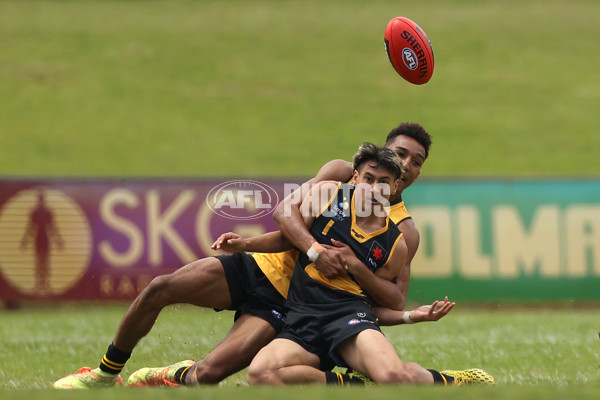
point(276, 88)
point(534, 353)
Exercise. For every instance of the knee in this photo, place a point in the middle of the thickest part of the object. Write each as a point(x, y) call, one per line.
point(157, 293)
point(260, 376)
point(254, 376)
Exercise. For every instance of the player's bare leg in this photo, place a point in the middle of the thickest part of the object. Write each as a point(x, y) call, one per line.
point(284, 362)
point(371, 354)
point(248, 335)
point(200, 283)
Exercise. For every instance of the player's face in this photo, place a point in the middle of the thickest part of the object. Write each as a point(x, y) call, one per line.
point(413, 156)
point(375, 183)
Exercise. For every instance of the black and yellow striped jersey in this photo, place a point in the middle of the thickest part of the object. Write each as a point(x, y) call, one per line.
point(279, 267)
point(338, 221)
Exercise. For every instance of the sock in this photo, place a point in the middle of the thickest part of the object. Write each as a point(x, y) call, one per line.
point(440, 378)
point(181, 373)
point(336, 378)
point(114, 360)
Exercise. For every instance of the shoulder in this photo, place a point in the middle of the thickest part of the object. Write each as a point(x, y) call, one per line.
point(411, 234)
point(324, 189)
point(408, 225)
point(319, 196)
point(335, 170)
point(328, 186)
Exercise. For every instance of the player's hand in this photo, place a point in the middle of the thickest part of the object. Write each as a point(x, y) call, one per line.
point(346, 255)
point(330, 264)
point(230, 242)
point(432, 312)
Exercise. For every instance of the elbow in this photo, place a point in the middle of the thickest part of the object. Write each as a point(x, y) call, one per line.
point(398, 306)
point(391, 303)
point(401, 302)
point(278, 214)
point(398, 302)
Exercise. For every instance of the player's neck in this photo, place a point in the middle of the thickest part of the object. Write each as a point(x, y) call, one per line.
point(396, 196)
point(372, 218)
point(370, 223)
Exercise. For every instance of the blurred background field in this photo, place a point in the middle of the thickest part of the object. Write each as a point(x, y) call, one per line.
point(276, 88)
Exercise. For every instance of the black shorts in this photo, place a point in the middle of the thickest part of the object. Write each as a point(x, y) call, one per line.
point(251, 291)
point(321, 332)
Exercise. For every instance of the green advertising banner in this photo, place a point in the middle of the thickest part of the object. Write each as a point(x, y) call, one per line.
point(487, 240)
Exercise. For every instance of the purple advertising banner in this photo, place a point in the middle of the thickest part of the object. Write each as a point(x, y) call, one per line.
point(105, 239)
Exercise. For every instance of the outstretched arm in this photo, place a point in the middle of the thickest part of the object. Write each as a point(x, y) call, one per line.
point(411, 237)
point(433, 312)
point(275, 242)
point(271, 242)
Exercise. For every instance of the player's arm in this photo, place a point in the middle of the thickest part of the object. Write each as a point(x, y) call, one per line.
point(335, 170)
point(378, 285)
point(271, 242)
point(411, 237)
point(298, 234)
point(434, 312)
point(291, 223)
point(275, 242)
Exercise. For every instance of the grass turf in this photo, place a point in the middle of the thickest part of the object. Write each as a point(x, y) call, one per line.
point(529, 351)
point(263, 88)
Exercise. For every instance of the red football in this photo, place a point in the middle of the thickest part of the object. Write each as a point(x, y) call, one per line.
point(409, 50)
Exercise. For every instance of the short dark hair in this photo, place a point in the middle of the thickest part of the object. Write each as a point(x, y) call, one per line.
point(381, 156)
point(412, 130)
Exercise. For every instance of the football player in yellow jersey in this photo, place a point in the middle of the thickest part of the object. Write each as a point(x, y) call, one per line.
point(334, 315)
point(238, 282)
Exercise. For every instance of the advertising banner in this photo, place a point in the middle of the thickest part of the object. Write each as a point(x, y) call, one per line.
point(105, 239)
point(513, 239)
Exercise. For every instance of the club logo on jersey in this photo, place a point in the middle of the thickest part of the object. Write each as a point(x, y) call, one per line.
point(361, 314)
point(377, 254)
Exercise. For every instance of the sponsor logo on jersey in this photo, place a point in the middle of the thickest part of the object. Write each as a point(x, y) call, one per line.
point(355, 321)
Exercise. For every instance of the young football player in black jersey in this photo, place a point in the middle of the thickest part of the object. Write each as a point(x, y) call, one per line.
point(335, 315)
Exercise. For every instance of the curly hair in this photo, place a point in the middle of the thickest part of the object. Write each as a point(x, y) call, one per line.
point(412, 130)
